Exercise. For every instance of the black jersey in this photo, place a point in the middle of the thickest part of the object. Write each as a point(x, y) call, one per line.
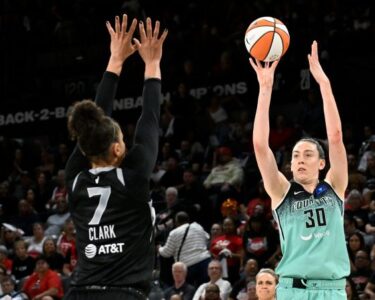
point(110, 206)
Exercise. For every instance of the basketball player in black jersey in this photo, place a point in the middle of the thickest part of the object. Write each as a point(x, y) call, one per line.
point(108, 186)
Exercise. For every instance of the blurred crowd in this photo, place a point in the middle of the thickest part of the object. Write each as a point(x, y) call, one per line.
point(206, 181)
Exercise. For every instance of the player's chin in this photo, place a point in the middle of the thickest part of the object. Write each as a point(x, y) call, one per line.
point(300, 176)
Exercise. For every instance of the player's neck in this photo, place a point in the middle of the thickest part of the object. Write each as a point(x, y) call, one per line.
point(103, 164)
point(309, 186)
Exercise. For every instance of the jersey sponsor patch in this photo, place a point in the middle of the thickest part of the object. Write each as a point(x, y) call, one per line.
point(317, 235)
point(91, 250)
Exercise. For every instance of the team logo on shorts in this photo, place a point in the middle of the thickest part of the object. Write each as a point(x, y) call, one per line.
point(90, 250)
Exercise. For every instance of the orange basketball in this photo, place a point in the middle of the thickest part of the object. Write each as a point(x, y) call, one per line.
point(267, 39)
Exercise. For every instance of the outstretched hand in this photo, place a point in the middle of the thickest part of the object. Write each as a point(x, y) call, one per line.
point(265, 74)
point(121, 42)
point(315, 67)
point(150, 45)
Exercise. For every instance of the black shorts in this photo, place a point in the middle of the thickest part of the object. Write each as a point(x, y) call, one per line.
point(104, 293)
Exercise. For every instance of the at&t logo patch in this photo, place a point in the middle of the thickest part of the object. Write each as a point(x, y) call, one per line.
point(91, 250)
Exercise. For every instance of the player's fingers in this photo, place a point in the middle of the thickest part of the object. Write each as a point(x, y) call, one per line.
point(137, 43)
point(148, 28)
point(109, 28)
point(117, 25)
point(133, 26)
point(142, 32)
point(156, 30)
point(252, 63)
point(124, 23)
point(274, 64)
point(164, 35)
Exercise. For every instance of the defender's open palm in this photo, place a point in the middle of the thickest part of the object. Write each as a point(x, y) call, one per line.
point(121, 39)
point(150, 46)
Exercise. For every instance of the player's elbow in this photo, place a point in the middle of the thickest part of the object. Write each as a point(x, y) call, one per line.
point(260, 145)
point(335, 137)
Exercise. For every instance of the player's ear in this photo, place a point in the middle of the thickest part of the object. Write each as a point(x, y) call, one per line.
point(116, 149)
point(322, 164)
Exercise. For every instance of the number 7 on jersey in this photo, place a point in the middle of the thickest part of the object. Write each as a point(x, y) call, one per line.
point(104, 193)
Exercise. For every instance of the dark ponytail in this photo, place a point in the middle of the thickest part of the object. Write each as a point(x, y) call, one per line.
point(94, 131)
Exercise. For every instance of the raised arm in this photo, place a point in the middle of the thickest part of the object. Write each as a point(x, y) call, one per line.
point(121, 48)
point(337, 175)
point(150, 48)
point(275, 182)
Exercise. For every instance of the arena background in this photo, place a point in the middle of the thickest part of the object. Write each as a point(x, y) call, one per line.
point(54, 53)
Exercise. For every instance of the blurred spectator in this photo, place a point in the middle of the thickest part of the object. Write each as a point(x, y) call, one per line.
point(9, 234)
point(352, 164)
point(188, 243)
point(370, 170)
point(251, 291)
point(353, 206)
point(228, 248)
point(362, 272)
point(219, 118)
point(180, 286)
point(182, 103)
point(351, 292)
point(66, 245)
point(3, 274)
point(241, 131)
point(4, 260)
point(357, 181)
point(43, 191)
point(174, 127)
point(36, 241)
point(23, 264)
point(261, 203)
point(356, 242)
point(370, 226)
point(215, 275)
point(261, 241)
point(369, 289)
point(165, 219)
point(44, 283)
point(8, 203)
point(266, 282)
point(61, 157)
point(59, 191)
point(25, 218)
point(240, 288)
point(9, 292)
point(176, 297)
point(194, 198)
point(366, 133)
point(47, 164)
point(167, 151)
point(30, 197)
point(55, 259)
point(56, 221)
point(211, 292)
point(216, 230)
point(173, 174)
point(227, 173)
point(370, 149)
point(225, 180)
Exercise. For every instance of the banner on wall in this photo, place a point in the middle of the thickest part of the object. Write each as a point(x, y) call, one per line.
point(45, 118)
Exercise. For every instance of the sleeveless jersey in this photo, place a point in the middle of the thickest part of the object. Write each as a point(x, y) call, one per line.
point(312, 234)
